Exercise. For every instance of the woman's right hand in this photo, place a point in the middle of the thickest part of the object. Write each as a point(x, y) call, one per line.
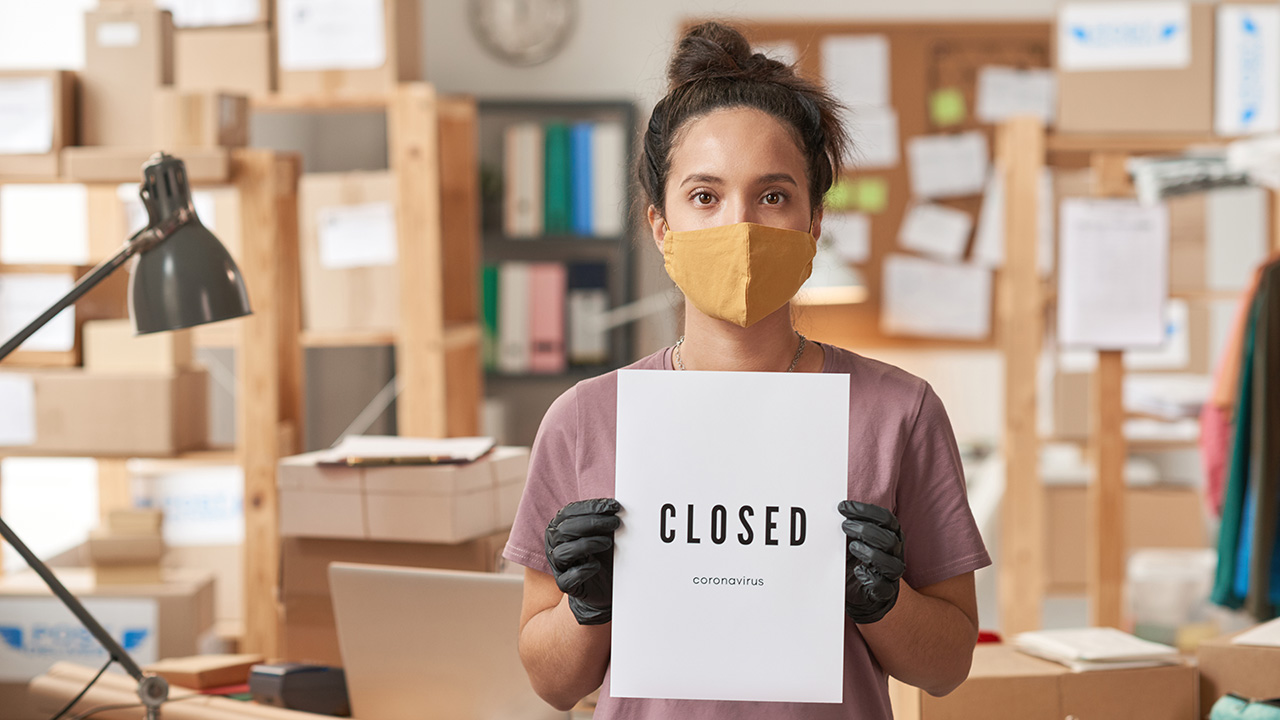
point(579, 545)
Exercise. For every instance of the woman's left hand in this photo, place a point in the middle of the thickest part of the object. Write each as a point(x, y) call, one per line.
point(874, 563)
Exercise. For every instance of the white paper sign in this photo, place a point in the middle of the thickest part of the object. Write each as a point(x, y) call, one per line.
point(849, 234)
point(26, 115)
point(44, 224)
point(1124, 36)
point(210, 13)
point(944, 166)
point(936, 230)
point(856, 68)
point(729, 567)
point(1113, 273)
point(931, 299)
point(24, 296)
point(331, 34)
point(1248, 70)
point(874, 132)
point(37, 632)
point(1005, 92)
point(18, 421)
point(357, 235)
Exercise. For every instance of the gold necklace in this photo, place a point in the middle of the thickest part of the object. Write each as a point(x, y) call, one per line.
point(794, 361)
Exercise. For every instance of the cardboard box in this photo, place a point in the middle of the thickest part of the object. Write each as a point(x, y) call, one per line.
point(154, 621)
point(129, 574)
point(1155, 517)
point(232, 59)
point(309, 633)
point(150, 415)
point(112, 346)
point(309, 75)
point(1249, 671)
point(207, 671)
point(107, 548)
point(1005, 684)
point(337, 295)
point(226, 563)
point(27, 290)
point(1165, 100)
point(200, 119)
point(135, 521)
point(60, 86)
point(318, 501)
point(210, 166)
point(128, 56)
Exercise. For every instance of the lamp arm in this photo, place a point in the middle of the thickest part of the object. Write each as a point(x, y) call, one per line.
point(135, 245)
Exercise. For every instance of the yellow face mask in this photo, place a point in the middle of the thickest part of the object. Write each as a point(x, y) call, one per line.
point(741, 272)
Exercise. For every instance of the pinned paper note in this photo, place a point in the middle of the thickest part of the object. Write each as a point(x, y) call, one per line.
point(357, 235)
point(18, 421)
point(26, 115)
point(1247, 87)
point(331, 34)
point(947, 107)
point(840, 196)
point(931, 299)
point(874, 132)
point(1005, 92)
point(871, 195)
point(849, 233)
point(784, 51)
point(856, 69)
point(936, 230)
point(24, 296)
point(947, 165)
point(1124, 36)
point(44, 224)
point(1113, 275)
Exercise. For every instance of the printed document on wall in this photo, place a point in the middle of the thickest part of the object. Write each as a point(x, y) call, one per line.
point(849, 234)
point(874, 131)
point(944, 166)
point(1124, 36)
point(26, 115)
point(932, 299)
point(1113, 276)
point(1248, 70)
point(331, 34)
point(1005, 92)
point(729, 565)
point(936, 230)
point(856, 69)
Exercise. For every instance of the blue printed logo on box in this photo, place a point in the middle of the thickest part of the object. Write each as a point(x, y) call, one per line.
point(1251, 72)
point(1128, 35)
point(64, 639)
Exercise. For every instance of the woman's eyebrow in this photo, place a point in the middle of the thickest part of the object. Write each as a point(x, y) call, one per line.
point(776, 178)
point(702, 178)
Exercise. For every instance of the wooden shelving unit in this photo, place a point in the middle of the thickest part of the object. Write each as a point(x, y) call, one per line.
point(1022, 150)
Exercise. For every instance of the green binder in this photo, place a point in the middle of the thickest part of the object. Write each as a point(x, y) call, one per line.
point(558, 190)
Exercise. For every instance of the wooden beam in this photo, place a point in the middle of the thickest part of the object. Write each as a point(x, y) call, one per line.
point(269, 372)
point(114, 491)
point(1105, 542)
point(1022, 579)
point(414, 141)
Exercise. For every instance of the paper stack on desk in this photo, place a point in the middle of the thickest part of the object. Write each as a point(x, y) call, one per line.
point(1085, 649)
point(392, 450)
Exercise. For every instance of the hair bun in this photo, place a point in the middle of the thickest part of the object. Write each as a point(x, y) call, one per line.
point(712, 50)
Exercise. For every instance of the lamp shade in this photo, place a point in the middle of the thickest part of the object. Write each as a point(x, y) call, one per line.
point(186, 277)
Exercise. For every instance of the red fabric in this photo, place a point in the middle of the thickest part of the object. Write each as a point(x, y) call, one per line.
point(1215, 436)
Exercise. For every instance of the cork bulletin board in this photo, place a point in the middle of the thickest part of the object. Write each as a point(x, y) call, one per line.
point(925, 59)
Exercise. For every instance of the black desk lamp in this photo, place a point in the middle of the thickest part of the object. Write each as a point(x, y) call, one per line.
point(182, 277)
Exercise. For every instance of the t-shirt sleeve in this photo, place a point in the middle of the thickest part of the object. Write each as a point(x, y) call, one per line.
point(940, 537)
point(552, 483)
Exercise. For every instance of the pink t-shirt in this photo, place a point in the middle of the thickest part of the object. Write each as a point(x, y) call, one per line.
point(902, 456)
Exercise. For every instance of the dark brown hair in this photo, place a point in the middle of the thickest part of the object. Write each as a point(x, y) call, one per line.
point(713, 67)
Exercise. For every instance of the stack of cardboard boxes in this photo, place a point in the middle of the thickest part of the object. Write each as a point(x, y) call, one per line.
point(128, 550)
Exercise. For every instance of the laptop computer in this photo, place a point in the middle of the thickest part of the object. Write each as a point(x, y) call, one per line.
point(419, 644)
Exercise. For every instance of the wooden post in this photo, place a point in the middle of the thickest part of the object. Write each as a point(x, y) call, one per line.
point(1022, 553)
point(269, 370)
point(114, 492)
point(414, 140)
point(1105, 543)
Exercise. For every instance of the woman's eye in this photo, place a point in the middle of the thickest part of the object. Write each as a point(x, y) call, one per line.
point(703, 198)
point(773, 198)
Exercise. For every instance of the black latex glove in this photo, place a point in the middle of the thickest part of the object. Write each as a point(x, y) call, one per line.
point(579, 543)
point(874, 563)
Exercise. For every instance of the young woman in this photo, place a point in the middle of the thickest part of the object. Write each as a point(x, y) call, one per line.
point(737, 158)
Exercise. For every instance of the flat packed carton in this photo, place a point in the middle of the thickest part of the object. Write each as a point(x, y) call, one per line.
point(1005, 684)
point(112, 346)
point(1163, 100)
point(200, 119)
point(304, 69)
point(116, 414)
point(52, 96)
point(128, 57)
point(1249, 671)
point(342, 292)
point(231, 59)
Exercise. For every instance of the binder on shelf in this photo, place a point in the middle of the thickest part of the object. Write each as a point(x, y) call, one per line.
point(581, 179)
point(588, 300)
point(608, 178)
point(489, 315)
point(546, 317)
point(513, 318)
point(558, 185)
point(522, 201)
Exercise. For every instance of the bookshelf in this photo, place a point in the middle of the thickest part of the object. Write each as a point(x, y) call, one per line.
point(526, 393)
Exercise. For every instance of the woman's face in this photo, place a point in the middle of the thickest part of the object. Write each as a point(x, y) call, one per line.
point(735, 165)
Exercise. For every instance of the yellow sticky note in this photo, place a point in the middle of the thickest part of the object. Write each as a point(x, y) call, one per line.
point(841, 195)
point(871, 194)
point(946, 107)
